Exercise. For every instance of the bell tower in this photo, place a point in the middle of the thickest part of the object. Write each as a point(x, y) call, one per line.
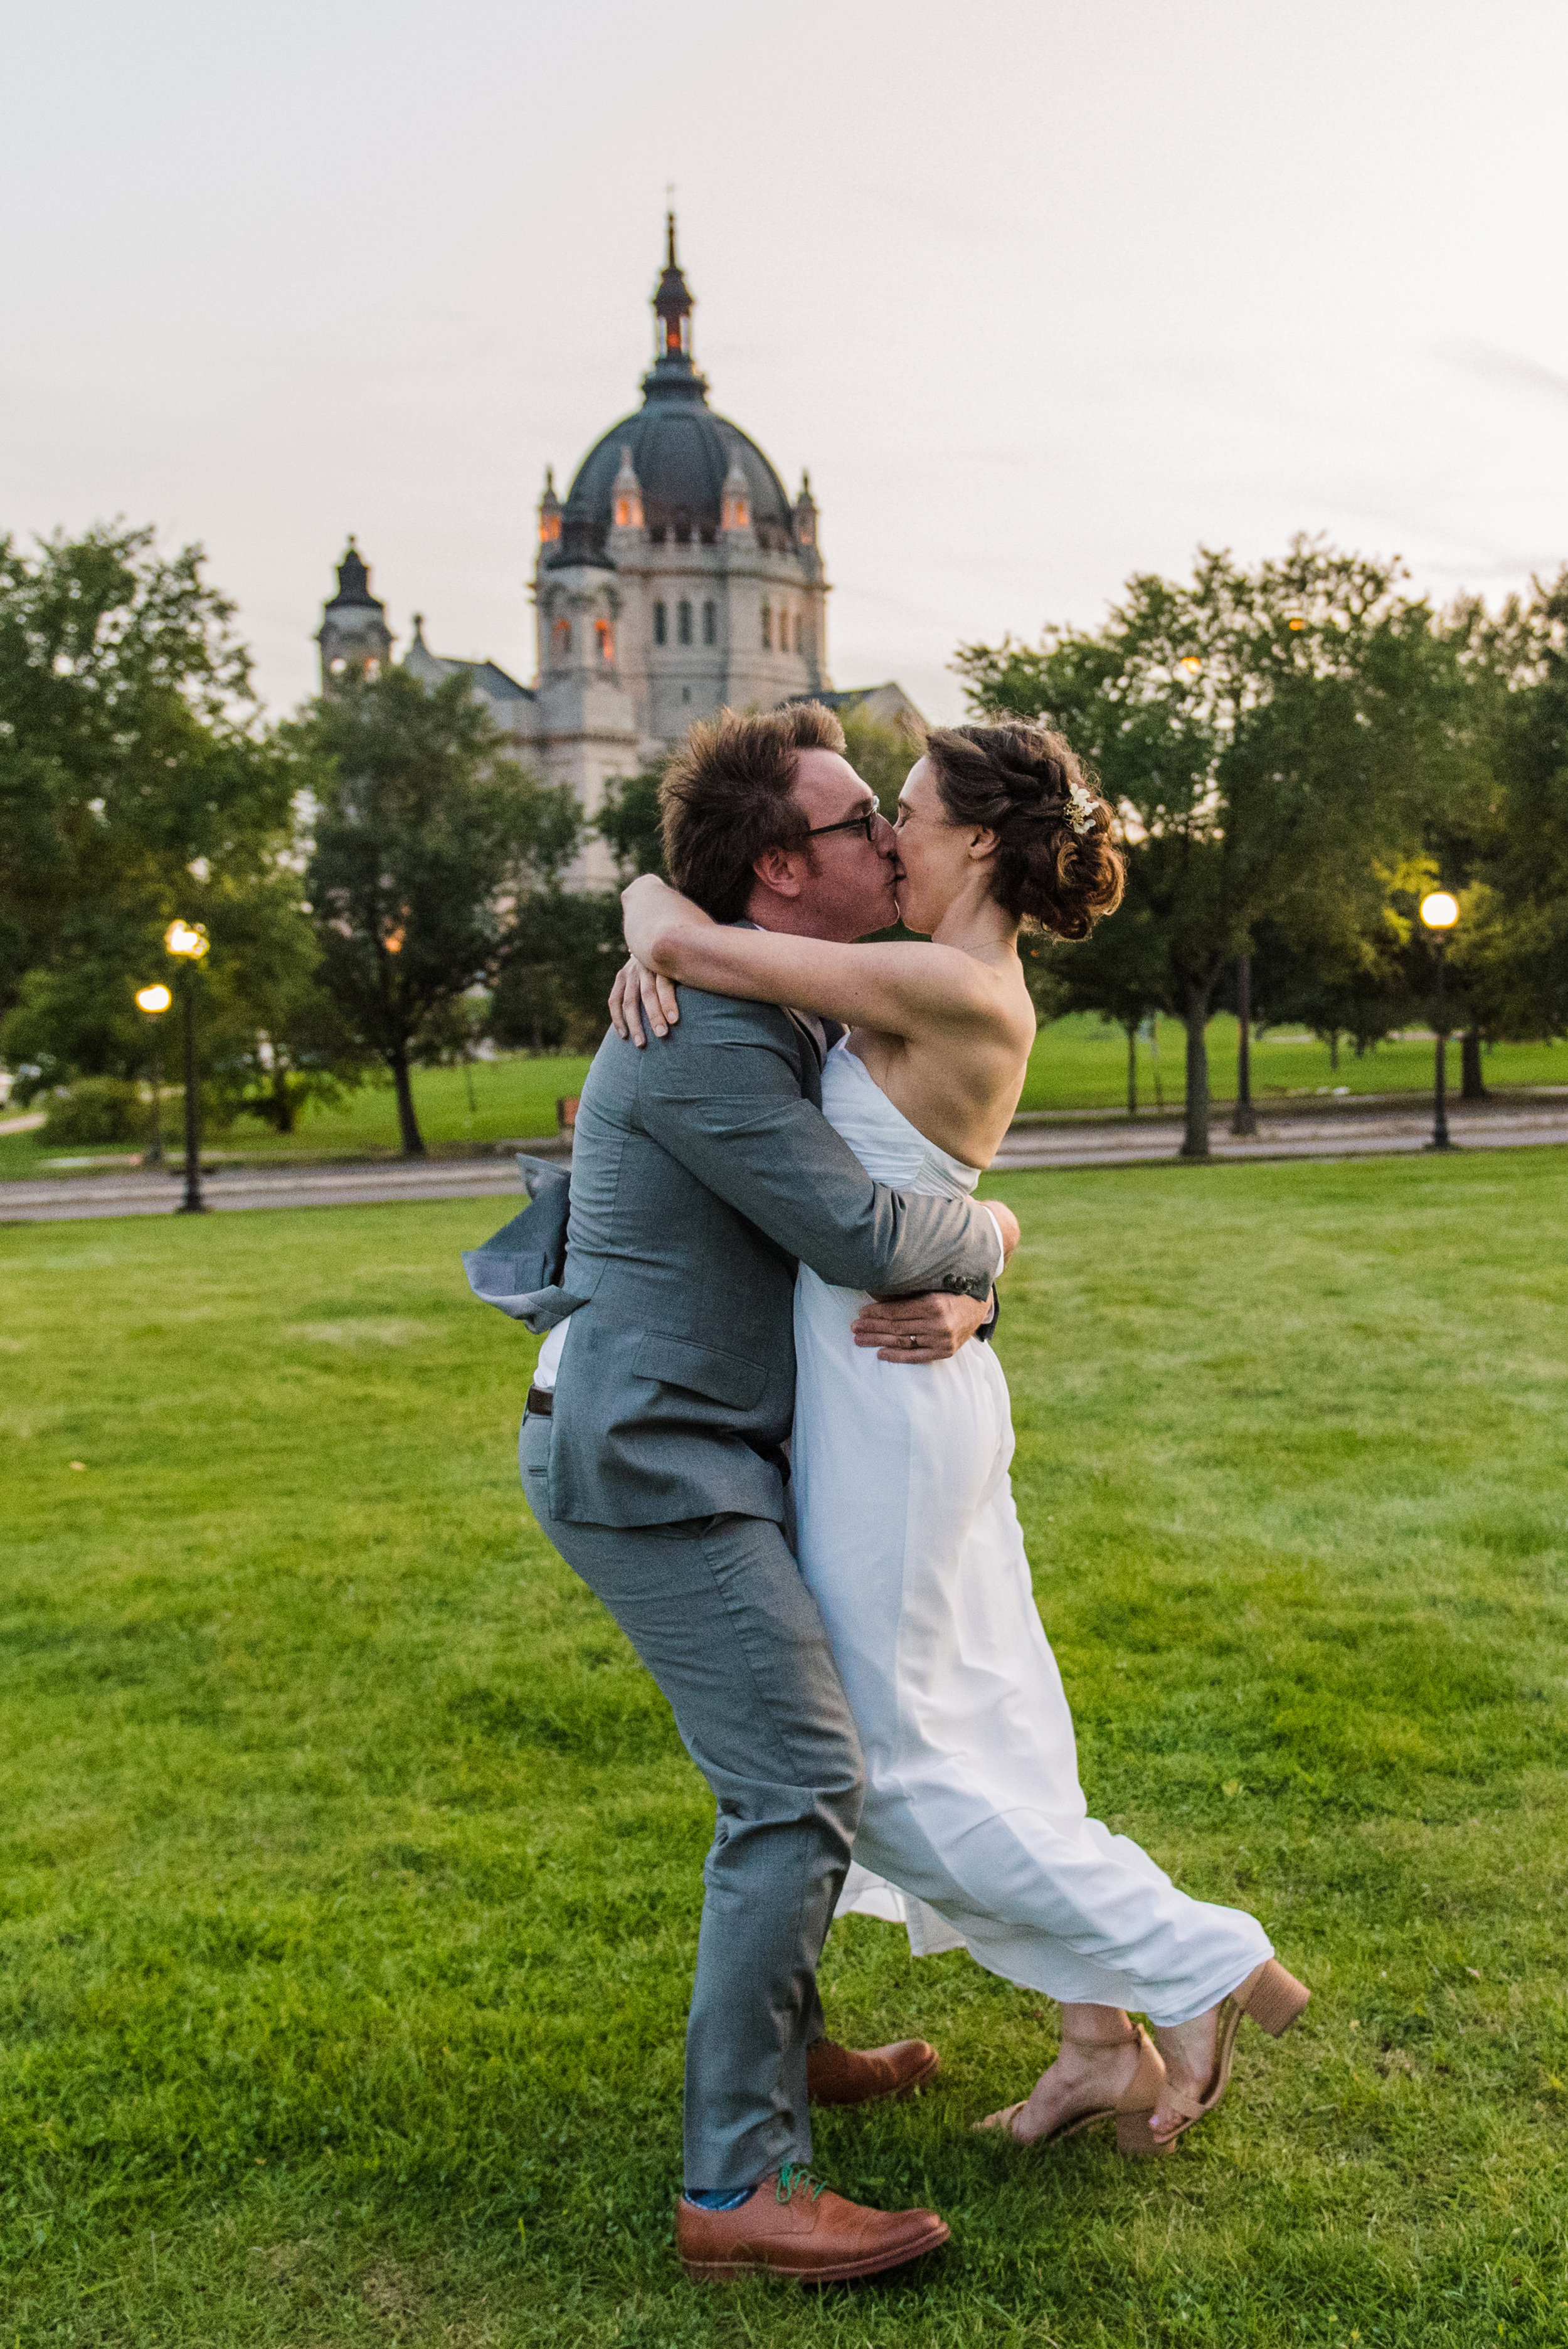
point(354, 637)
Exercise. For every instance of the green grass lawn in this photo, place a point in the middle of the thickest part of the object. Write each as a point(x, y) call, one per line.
point(350, 1865)
point(1078, 1064)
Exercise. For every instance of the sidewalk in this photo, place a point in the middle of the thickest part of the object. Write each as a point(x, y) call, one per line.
point(77, 1198)
point(1033, 1143)
point(1348, 1133)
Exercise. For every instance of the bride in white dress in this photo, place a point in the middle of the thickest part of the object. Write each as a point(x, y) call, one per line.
point(976, 1831)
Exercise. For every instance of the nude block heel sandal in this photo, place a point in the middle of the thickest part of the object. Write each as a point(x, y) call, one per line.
point(1275, 2000)
point(1130, 2111)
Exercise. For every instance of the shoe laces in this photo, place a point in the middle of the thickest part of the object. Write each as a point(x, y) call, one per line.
point(794, 2175)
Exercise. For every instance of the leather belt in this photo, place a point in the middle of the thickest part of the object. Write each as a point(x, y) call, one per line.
point(541, 1403)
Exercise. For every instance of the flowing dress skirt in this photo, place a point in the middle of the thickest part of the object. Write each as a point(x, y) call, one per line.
point(976, 1830)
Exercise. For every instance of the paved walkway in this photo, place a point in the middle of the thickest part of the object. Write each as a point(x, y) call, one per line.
point(1049, 1142)
point(68, 1199)
point(1333, 1133)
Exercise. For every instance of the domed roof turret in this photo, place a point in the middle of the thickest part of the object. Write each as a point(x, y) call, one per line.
point(679, 450)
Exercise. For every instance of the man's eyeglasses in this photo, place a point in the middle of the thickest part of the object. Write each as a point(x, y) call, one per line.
point(866, 823)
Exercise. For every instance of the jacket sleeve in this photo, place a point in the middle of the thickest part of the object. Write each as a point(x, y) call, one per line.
point(722, 1094)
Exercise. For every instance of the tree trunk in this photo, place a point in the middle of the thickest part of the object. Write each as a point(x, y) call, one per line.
point(283, 1102)
point(1132, 1026)
point(1195, 1141)
point(408, 1123)
point(1472, 1084)
point(1334, 1048)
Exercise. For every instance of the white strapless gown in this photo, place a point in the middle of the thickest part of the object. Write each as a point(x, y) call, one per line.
point(976, 1831)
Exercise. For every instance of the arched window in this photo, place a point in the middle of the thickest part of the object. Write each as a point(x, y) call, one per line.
point(561, 636)
point(710, 623)
point(767, 629)
point(799, 626)
point(604, 636)
point(661, 625)
point(372, 667)
point(683, 621)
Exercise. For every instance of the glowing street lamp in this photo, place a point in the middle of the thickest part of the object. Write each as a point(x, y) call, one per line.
point(155, 1000)
point(188, 942)
point(1440, 912)
point(187, 938)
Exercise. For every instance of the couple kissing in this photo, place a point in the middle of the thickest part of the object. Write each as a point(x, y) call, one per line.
point(768, 1429)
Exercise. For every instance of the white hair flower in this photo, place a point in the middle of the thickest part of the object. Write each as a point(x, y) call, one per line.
point(1081, 804)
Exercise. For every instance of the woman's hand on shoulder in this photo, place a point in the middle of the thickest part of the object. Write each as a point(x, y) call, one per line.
point(1006, 1223)
point(638, 994)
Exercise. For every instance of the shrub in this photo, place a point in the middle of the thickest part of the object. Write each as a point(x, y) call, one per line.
point(96, 1109)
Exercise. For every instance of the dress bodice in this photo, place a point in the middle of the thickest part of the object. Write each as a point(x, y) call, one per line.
point(888, 1146)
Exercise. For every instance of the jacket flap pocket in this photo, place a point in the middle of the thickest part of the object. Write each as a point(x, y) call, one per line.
point(723, 1378)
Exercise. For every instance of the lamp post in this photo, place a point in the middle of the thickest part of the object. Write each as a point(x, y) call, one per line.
point(1244, 1119)
point(1440, 912)
point(155, 1000)
point(188, 942)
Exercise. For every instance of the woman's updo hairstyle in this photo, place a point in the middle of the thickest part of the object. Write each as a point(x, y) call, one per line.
point(1055, 863)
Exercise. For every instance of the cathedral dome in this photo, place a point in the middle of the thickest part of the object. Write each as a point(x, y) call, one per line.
point(680, 451)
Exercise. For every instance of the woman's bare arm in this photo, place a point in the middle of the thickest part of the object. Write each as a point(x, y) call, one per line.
point(901, 990)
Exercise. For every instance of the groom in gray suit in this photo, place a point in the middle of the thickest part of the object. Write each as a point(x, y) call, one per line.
point(653, 1455)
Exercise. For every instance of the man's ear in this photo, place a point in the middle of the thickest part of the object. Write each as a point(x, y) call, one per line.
point(777, 869)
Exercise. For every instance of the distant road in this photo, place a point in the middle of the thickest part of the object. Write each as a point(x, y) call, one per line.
point(1382, 1132)
point(1338, 1134)
point(74, 1198)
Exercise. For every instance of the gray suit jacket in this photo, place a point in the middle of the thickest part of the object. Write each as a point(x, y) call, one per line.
point(702, 1170)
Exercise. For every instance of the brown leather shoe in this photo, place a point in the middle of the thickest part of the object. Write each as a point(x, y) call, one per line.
point(794, 2228)
point(849, 2076)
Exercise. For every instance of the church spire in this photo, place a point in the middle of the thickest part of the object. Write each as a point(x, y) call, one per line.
point(671, 372)
point(671, 304)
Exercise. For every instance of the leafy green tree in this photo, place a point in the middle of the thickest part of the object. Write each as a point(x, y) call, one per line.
point(881, 755)
point(553, 992)
point(1355, 977)
point(275, 1037)
point(138, 781)
point(1266, 735)
point(1505, 849)
point(134, 769)
point(428, 839)
point(1119, 970)
point(628, 819)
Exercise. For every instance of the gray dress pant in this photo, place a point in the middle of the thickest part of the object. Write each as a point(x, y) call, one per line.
point(716, 1610)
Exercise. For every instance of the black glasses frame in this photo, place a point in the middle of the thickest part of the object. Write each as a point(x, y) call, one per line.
point(867, 823)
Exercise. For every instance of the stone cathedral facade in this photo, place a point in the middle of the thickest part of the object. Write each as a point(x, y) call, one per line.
point(678, 578)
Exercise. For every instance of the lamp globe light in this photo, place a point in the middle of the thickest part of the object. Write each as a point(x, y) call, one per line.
point(187, 940)
point(153, 999)
point(1439, 911)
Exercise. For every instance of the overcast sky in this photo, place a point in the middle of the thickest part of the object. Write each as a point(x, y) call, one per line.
point(1041, 294)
